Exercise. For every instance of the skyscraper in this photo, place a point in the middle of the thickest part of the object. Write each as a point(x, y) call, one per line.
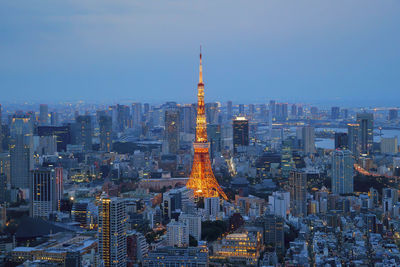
point(335, 113)
point(352, 138)
point(59, 186)
point(298, 193)
point(177, 234)
point(342, 172)
point(240, 132)
point(393, 114)
point(43, 114)
point(137, 113)
point(43, 193)
point(84, 132)
point(172, 130)
point(212, 112)
point(365, 131)
point(112, 231)
point(229, 110)
point(202, 180)
point(21, 154)
point(105, 124)
point(341, 140)
point(308, 139)
point(214, 135)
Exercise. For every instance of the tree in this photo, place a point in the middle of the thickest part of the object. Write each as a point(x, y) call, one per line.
point(192, 241)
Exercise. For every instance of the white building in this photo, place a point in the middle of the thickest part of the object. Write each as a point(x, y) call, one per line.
point(193, 222)
point(211, 207)
point(177, 234)
point(279, 203)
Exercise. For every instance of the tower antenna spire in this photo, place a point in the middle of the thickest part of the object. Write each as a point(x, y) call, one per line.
point(200, 70)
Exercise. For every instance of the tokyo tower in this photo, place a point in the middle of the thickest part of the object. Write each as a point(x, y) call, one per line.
point(202, 180)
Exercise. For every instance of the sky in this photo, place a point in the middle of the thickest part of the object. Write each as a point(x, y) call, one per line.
point(344, 52)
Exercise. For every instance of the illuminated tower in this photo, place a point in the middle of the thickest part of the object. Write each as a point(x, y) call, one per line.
point(202, 180)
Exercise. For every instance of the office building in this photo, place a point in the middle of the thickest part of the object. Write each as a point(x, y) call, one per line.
point(229, 110)
point(298, 193)
point(390, 197)
point(342, 172)
point(241, 110)
point(389, 146)
point(365, 132)
point(393, 114)
point(335, 113)
point(44, 114)
point(274, 232)
point(84, 132)
point(212, 113)
point(341, 141)
point(105, 124)
point(62, 134)
point(21, 152)
point(242, 249)
point(136, 109)
point(308, 139)
point(172, 130)
point(279, 203)
point(214, 137)
point(240, 133)
point(182, 257)
point(43, 193)
point(112, 231)
point(85, 213)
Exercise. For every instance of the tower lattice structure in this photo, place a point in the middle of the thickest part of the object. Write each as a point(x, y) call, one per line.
point(202, 180)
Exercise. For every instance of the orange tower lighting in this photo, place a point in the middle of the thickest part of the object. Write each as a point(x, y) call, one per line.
point(202, 180)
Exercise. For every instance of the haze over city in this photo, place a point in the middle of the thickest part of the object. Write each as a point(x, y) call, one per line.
point(318, 52)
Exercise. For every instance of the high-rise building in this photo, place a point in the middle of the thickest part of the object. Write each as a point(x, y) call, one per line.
point(177, 234)
point(335, 113)
point(21, 152)
point(212, 112)
point(84, 132)
point(308, 139)
point(352, 138)
point(298, 193)
point(240, 132)
point(202, 180)
point(105, 124)
point(300, 111)
point(229, 110)
point(112, 231)
point(59, 186)
point(389, 145)
point(393, 114)
point(3, 189)
point(44, 114)
point(365, 132)
point(214, 135)
point(341, 140)
point(62, 134)
point(272, 108)
point(390, 197)
point(43, 193)
point(293, 111)
point(172, 130)
point(137, 247)
point(137, 113)
point(274, 232)
point(241, 110)
point(342, 172)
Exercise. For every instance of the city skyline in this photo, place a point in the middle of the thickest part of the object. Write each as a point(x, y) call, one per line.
point(310, 52)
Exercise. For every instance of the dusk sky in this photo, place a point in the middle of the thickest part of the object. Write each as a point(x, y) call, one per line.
point(344, 52)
